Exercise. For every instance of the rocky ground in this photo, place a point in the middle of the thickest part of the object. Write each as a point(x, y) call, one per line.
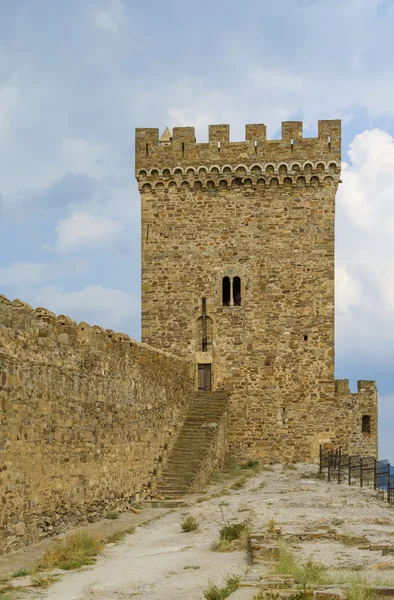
point(318, 520)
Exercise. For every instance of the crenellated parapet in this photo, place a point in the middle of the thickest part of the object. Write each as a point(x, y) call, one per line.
point(293, 161)
point(342, 388)
point(41, 323)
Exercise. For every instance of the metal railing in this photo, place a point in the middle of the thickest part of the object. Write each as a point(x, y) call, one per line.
point(364, 471)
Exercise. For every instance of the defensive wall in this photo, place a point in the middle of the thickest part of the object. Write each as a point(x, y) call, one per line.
point(88, 417)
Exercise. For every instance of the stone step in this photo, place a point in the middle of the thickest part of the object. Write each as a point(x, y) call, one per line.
point(199, 428)
point(192, 444)
point(162, 504)
point(203, 418)
point(197, 423)
point(173, 492)
point(173, 476)
point(181, 465)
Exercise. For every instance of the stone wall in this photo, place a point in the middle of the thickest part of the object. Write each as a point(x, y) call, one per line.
point(215, 458)
point(87, 419)
point(357, 422)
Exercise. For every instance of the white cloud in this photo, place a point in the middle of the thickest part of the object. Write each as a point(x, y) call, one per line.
point(81, 229)
point(347, 290)
point(272, 93)
point(36, 273)
point(365, 246)
point(110, 308)
point(109, 18)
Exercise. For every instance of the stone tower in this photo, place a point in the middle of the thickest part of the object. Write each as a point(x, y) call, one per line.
point(238, 274)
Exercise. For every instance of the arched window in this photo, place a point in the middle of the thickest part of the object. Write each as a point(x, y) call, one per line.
point(226, 291)
point(237, 291)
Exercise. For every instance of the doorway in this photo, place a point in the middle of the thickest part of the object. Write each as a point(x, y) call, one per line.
point(204, 378)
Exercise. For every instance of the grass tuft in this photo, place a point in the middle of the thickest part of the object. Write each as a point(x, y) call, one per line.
point(10, 592)
point(233, 531)
point(190, 523)
point(244, 470)
point(117, 538)
point(353, 540)
point(44, 580)
point(234, 536)
point(271, 526)
point(21, 573)
point(112, 514)
point(303, 573)
point(311, 574)
point(215, 593)
point(239, 484)
point(250, 464)
point(72, 552)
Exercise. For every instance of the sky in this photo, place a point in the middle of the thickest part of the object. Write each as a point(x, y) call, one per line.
point(77, 77)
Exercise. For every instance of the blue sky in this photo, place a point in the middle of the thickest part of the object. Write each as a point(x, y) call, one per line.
point(77, 77)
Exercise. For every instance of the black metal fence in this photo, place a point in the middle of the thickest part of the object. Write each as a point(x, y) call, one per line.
point(364, 471)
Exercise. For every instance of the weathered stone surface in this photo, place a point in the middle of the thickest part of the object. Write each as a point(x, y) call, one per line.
point(86, 421)
point(262, 211)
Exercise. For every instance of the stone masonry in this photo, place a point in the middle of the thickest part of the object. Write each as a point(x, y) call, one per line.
point(87, 418)
point(238, 277)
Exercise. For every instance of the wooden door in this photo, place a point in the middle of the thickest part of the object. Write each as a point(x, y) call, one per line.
point(204, 378)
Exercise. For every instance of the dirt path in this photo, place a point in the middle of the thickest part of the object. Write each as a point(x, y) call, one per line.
point(160, 562)
point(27, 557)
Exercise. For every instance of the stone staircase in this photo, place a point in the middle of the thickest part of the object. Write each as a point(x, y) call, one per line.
point(196, 443)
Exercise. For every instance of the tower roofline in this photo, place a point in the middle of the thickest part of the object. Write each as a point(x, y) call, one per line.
point(183, 150)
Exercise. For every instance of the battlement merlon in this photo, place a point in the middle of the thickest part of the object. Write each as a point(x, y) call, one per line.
point(182, 149)
point(342, 388)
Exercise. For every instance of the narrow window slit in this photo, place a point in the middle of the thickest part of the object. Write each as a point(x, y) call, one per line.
point(292, 144)
point(255, 146)
point(226, 291)
point(237, 291)
point(147, 149)
point(366, 424)
point(329, 142)
point(204, 345)
point(218, 147)
point(305, 338)
point(183, 148)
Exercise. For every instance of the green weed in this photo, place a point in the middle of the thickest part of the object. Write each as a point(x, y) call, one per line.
point(72, 552)
point(118, 537)
point(215, 593)
point(44, 580)
point(112, 514)
point(21, 573)
point(190, 523)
